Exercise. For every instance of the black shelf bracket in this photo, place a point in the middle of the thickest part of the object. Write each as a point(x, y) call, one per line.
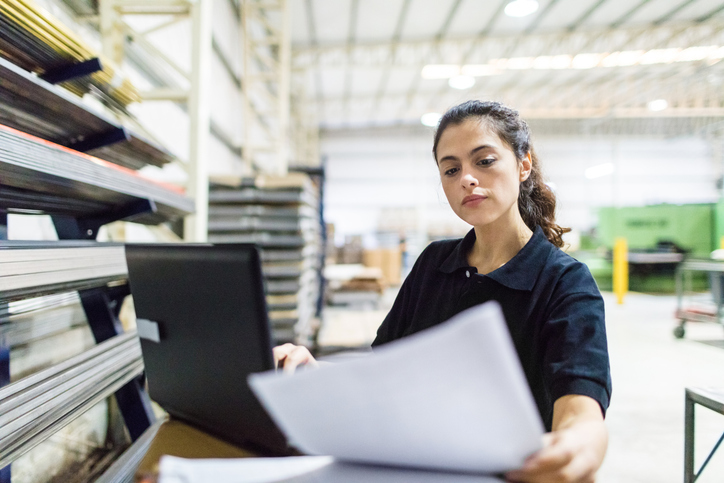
point(72, 71)
point(71, 228)
point(112, 136)
point(102, 306)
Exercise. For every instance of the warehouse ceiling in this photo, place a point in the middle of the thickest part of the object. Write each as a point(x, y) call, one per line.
point(388, 62)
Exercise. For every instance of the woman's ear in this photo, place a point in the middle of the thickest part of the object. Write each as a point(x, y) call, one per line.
point(525, 166)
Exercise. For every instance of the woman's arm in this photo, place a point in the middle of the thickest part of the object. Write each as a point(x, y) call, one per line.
point(574, 450)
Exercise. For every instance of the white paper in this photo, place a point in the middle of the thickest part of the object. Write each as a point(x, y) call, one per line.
point(246, 470)
point(298, 469)
point(453, 397)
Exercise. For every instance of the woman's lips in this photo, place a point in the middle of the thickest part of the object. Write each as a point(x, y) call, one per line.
point(473, 199)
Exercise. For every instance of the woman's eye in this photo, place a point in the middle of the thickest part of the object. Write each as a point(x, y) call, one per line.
point(486, 161)
point(451, 171)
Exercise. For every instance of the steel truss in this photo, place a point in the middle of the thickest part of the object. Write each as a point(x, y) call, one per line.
point(194, 85)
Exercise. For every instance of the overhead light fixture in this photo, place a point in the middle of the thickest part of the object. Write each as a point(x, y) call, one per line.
point(430, 119)
point(461, 82)
point(479, 70)
point(521, 8)
point(599, 171)
point(659, 56)
point(657, 105)
point(440, 71)
point(585, 61)
point(520, 63)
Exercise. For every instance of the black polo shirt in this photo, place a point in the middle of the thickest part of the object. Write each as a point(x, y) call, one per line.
point(551, 303)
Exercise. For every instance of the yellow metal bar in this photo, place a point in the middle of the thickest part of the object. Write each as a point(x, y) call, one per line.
point(620, 269)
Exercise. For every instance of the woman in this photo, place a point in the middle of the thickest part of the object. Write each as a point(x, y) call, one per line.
point(554, 311)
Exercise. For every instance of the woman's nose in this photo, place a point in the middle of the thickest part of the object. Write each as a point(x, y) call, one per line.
point(469, 180)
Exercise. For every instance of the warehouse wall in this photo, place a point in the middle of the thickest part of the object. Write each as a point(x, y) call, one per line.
point(379, 178)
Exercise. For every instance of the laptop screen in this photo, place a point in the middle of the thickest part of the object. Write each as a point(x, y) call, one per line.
point(203, 327)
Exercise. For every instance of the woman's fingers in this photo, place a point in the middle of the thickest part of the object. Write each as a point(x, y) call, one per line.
point(290, 356)
point(281, 352)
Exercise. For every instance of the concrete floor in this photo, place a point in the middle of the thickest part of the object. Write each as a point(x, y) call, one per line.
point(650, 369)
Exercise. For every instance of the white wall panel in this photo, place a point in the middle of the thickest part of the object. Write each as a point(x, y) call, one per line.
point(372, 173)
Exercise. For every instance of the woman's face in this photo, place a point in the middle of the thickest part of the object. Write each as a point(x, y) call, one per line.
point(479, 172)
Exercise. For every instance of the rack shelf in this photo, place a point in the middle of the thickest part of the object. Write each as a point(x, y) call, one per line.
point(50, 112)
point(41, 175)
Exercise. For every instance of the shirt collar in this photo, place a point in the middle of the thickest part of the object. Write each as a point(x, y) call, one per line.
point(520, 273)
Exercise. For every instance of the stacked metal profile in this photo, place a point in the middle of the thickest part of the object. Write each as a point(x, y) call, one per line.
point(284, 222)
point(50, 112)
point(32, 269)
point(33, 39)
point(39, 175)
point(35, 407)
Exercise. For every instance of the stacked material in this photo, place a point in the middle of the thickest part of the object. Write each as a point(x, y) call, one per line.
point(39, 175)
point(281, 216)
point(41, 317)
point(30, 269)
point(354, 285)
point(34, 408)
point(31, 105)
point(123, 470)
point(36, 41)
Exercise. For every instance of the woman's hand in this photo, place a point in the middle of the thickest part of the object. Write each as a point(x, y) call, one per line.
point(290, 356)
point(574, 451)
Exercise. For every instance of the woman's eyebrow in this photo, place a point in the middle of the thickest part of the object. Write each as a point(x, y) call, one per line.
point(483, 147)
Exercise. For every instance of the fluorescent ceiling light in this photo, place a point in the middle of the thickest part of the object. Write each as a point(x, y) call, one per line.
point(585, 61)
point(440, 71)
point(520, 63)
point(659, 56)
point(479, 70)
point(430, 119)
point(599, 171)
point(521, 8)
point(462, 82)
point(696, 53)
point(657, 105)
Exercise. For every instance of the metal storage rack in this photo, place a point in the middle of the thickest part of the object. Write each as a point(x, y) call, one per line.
point(81, 193)
point(704, 308)
point(286, 224)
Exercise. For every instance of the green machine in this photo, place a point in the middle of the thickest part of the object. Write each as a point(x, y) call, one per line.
point(692, 229)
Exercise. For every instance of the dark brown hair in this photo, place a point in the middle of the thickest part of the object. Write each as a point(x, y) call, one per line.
point(536, 202)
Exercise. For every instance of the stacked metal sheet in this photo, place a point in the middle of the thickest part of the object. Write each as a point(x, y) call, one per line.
point(39, 175)
point(36, 107)
point(36, 41)
point(284, 222)
point(34, 408)
point(41, 317)
point(30, 269)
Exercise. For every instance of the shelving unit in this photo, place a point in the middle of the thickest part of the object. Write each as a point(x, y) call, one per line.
point(43, 171)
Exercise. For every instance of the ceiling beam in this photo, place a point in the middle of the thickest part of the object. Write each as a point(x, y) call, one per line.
point(441, 33)
point(396, 36)
point(629, 13)
point(351, 39)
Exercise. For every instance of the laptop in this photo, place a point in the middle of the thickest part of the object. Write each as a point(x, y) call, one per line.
point(202, 321)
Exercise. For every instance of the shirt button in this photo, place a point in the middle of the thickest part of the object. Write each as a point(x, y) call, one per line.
point(467, 273)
